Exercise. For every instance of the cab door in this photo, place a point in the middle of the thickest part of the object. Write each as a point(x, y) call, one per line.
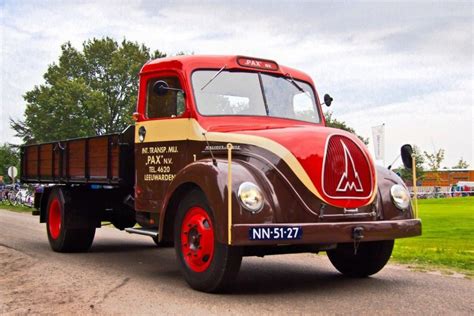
point(160, 140)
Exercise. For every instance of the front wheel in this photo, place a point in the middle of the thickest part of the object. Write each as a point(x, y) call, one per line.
point(370, 258)
point(162, 244)
point(207, 265)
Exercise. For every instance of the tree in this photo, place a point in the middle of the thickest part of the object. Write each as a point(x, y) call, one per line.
point(8, 157)
point(462, 164)
point(333, 122)
point(88, 92)
point(407, 174)
point(434, 161)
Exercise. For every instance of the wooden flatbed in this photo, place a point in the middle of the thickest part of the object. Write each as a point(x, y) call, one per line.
point(106, 159)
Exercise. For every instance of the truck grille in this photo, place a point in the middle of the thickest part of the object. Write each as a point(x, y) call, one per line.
point(347, 170)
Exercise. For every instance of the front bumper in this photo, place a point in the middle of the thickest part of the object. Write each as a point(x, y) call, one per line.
point(334, 232)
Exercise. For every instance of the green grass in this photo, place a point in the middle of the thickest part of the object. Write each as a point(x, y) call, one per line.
point(447, 241)
point(19, 209)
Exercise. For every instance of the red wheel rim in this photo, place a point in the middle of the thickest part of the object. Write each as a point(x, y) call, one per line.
point(54, 218)
point(197, 239)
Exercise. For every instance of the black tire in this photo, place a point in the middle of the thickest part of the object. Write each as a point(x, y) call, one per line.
point(162, 244)
point(371, 257)
point(123, 217)
point(62, 239)
point(224, 262)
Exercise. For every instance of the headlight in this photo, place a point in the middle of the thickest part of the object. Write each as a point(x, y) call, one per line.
point(400, 197)
point(251, 197)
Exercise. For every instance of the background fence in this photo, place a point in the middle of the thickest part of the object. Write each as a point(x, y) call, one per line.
point(427, 192)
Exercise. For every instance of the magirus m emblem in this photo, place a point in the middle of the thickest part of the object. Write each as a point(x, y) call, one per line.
point(350, 180)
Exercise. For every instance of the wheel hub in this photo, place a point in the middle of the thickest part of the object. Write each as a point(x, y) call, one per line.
point(54, 219)
point(194, 238)
point(197, 239)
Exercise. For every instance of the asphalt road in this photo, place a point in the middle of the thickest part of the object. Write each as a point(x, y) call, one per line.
point(125, 274)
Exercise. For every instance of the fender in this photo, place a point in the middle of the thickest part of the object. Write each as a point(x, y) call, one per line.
point(212, 180)
point(79, 212)
point(43, 203)
point(386, 179)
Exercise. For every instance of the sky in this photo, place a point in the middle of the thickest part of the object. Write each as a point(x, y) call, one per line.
point(408, 65)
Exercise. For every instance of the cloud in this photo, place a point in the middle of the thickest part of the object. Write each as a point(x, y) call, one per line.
point(405, 64)
point(441, 119)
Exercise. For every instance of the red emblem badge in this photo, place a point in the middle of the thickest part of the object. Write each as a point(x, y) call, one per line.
point(347, 173)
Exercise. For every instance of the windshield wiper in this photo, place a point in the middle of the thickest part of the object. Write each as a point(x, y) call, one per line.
point(210, 80)
point(289, 78)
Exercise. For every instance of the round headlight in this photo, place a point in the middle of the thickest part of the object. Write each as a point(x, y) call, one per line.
point(251, 197)
point(400, 197)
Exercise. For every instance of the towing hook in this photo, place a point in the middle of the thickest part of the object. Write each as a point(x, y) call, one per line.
point(358, 233)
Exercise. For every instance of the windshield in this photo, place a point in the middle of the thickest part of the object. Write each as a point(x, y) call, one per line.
point(255, 94)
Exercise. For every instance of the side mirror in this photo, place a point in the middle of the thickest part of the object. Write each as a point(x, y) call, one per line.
point(406, 151)
point(327, 99)
point(160, 88)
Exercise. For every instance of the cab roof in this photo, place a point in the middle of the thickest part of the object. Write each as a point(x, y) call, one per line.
point(188, 64)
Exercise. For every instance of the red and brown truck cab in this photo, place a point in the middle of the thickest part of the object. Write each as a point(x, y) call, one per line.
point(229, 157)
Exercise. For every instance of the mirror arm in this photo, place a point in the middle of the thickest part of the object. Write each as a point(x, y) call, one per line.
point(395, 160)
point(175, 89)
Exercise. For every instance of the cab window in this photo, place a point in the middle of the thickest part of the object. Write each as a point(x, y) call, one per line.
point(170, 104)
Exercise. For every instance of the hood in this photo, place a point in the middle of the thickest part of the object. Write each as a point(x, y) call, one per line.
point(337, 163)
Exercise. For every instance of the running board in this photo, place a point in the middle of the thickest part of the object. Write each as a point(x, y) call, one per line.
point(142, 231)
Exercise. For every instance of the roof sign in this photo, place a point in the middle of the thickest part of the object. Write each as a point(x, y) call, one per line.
point(257, 63)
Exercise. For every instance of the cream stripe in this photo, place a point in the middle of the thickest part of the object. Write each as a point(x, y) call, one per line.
point(189, 129)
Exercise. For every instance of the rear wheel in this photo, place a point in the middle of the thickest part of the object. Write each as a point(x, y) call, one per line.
point(371, 257)
point(62, 239)
point(206, 264)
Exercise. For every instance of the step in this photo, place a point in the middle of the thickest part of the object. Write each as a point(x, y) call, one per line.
point(142, 231)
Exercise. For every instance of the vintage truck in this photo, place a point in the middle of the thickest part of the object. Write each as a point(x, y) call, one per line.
point(229, 156)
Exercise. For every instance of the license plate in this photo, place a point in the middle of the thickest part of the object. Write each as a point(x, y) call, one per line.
point(275, 233)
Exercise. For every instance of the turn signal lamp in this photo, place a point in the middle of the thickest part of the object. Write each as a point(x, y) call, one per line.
point(136, 116)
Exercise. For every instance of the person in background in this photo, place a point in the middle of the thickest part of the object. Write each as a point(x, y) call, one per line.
point(466, 190)
point(17, 185)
